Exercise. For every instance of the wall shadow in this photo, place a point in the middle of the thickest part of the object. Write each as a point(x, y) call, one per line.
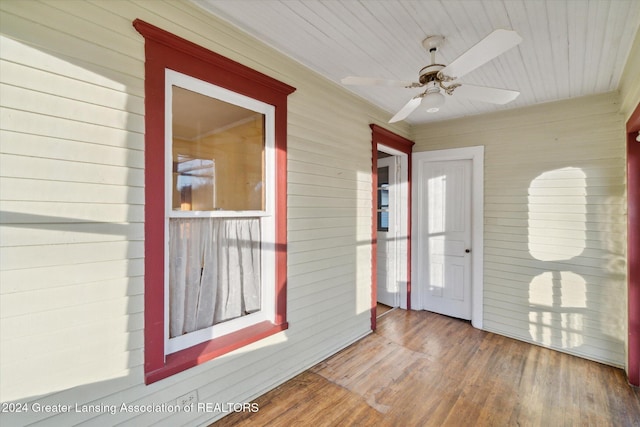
point(574, 257)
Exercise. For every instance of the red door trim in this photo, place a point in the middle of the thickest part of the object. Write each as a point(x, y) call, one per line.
point(633, 246)
point(380, 135)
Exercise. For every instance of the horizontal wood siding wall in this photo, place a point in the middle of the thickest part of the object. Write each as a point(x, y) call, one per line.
point(630, 81)
point(555, 218)
point(72, 234)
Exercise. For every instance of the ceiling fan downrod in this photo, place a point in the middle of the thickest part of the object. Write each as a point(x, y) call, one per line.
point(431, 73)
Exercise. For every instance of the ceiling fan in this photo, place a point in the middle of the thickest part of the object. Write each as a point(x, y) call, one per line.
point(437, 77)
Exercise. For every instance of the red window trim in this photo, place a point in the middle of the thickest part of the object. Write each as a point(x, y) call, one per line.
point(380, 135)
point(633, 247)
point(165, 50)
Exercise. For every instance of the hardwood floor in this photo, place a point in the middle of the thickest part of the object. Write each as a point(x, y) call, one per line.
point(423, 369)
point(382, 309)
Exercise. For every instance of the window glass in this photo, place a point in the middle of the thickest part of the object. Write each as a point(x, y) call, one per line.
point(218, 152)
point(383, 198)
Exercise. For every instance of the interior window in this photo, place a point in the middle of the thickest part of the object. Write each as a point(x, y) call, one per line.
point(383, 198)
point(218, 174)
point(215, 265)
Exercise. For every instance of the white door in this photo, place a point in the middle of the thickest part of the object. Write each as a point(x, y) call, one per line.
point(443, 230)
point(387, 218)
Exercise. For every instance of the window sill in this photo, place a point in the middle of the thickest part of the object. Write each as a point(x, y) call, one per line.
point(193, 356)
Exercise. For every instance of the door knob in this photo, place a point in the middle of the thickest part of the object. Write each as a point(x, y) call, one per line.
point(467, 250)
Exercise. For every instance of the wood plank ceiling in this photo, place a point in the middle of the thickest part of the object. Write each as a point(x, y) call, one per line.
point(570, 48)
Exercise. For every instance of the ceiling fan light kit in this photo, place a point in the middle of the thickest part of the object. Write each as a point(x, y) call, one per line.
point(433, 76)
point(432, 99)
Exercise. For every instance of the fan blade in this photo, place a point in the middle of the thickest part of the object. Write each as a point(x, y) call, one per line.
point(495, 44)
point(373, 81)
point(486, 94)
point(407, 109)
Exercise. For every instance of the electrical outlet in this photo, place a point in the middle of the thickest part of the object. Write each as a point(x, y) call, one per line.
point(190, 398)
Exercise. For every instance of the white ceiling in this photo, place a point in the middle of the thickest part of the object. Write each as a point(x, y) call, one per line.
point(570, 48)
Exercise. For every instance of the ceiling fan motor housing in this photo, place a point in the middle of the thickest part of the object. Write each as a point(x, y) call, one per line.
point(429, 73)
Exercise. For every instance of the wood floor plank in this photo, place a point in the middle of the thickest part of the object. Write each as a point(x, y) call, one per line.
point(424, 369)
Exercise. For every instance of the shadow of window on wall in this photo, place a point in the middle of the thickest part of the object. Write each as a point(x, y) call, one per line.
point(557, 234)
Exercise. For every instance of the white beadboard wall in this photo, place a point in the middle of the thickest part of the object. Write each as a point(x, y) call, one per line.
point(555, 221)
point(72, 192)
